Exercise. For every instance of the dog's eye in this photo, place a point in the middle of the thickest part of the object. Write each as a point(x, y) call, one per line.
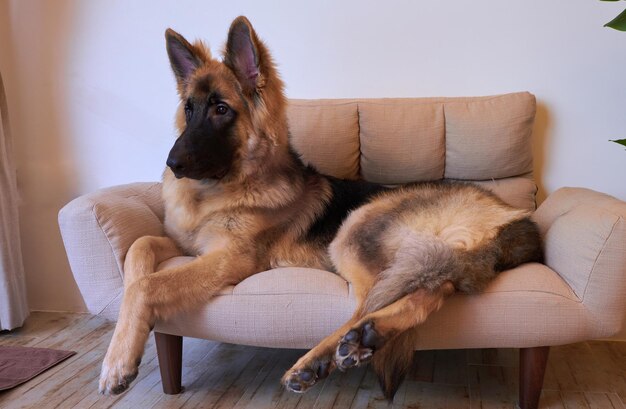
point(188, 111)
point(221, 109)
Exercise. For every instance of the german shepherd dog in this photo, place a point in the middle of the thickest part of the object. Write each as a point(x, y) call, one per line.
point(240, 199)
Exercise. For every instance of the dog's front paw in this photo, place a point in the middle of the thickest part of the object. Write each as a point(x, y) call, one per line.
point(357, 346)
point(116, 375)
point(302, 376)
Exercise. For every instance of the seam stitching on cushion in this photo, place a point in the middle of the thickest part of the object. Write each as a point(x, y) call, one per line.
point(143, 197)
point(595, 262)
point(320, 102)
point(563, 277)
point(93, 208)
point(119, 272)
point(112, 301)
point(308, 103)
point(575, 299)
point(145, 202)
point(303, 102)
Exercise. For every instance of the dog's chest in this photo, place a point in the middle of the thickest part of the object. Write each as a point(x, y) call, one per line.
point(197, 231)
point(193, 212)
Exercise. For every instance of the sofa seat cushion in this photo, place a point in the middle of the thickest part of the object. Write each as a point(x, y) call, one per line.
point(281, 308)
point(297, 307)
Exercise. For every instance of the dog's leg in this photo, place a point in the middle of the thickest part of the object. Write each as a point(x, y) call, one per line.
point(318, 363)
point(160, 295)
point(373, 330)
point(145, 254)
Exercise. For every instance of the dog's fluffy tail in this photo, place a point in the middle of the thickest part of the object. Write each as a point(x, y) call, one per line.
point(392, 362)
point(418, 264)
point(423, 261)
point(426, 261)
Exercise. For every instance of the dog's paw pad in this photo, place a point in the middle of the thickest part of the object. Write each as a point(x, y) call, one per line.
point(357, 346)
point(301, 379)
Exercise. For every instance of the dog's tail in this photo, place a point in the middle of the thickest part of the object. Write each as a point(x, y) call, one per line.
point(423, 261)
point(392, 362)
point(427, 261)
point(418, 264)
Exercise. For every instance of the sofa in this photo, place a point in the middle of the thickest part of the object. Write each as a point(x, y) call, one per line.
point(578, 294)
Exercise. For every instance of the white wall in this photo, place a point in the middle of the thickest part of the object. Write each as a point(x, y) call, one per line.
point(92, 97)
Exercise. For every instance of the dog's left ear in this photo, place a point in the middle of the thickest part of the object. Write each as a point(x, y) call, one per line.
point(244, 53)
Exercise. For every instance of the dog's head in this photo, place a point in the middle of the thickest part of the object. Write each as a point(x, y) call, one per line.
point(231, 113)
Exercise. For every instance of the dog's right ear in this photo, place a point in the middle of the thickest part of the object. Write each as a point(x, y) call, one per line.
point(184, 57)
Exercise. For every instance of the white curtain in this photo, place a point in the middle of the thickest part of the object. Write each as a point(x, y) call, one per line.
point(13, 305)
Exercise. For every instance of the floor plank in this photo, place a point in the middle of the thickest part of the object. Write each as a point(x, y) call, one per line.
point(223, 366)
point(450, 367)
point(224, 376)
point(249, 379)
point(422, 395)
point(493, 387)
point(40, 325)
point(611, 365)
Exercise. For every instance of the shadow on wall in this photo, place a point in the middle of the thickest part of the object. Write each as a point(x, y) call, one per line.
point(40, 36)
point(541, 132)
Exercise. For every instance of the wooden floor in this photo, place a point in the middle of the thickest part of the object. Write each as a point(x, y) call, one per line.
point(215, 375)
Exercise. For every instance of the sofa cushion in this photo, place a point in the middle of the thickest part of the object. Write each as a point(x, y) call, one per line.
point(489, 137)
point(401, 140)
point(297, 304)
point(326, 135)
point(524, 307)
point(518, 191)
point(591, 226)
point(108, 220)
point(301, 306)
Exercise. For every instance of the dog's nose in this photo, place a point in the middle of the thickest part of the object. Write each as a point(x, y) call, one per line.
point(175, 164)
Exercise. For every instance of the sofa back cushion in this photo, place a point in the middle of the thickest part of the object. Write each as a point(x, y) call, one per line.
point(326, 134)
point(401, 140)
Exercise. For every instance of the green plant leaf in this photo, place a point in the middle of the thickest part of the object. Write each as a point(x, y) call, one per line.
point(619, 22)
point(620, 141)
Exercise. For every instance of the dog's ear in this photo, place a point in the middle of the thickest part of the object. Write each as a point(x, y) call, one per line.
point(184, 57)
point(244, 53)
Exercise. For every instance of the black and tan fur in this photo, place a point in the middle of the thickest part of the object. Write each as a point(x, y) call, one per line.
point(240, 199)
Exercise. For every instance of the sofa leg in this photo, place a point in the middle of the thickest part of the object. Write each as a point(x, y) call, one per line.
point(170, 354)
point(532, 367)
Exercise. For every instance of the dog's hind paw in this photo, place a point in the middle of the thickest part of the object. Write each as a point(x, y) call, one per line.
point(357, 346)
point(299, 379)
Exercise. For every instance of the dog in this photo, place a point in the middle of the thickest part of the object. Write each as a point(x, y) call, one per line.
point(239, 198)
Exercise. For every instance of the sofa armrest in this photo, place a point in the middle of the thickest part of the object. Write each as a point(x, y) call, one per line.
point(585, 243)
point(97, 230)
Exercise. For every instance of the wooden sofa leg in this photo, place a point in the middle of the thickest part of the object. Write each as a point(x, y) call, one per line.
point(170, 354)
point(532, 367)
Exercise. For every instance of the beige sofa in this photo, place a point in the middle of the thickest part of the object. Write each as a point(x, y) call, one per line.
point(579, 294)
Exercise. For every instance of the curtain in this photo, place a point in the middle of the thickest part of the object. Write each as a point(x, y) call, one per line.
point(13, 304)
